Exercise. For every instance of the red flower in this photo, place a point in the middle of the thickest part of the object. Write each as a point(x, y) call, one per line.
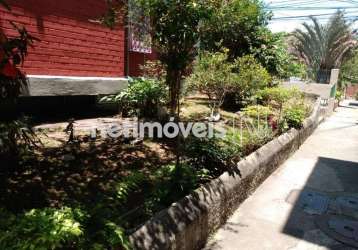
point(272, 122)
point(9, 70)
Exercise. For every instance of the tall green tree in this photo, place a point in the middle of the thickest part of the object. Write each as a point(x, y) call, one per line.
point(235, 25)
point(175, 32)
point(241, 27)
point(324, 46)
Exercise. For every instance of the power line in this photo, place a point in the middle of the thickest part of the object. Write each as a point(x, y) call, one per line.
point(352, 19)
point(311, 8)
point(314, 15)
point(294, 3)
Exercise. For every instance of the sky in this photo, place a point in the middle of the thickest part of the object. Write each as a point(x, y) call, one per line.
point(290, 14)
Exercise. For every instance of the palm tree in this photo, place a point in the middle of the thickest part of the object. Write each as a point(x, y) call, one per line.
point(324, 47)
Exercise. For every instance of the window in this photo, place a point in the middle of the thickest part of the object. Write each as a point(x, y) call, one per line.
point(138, 31)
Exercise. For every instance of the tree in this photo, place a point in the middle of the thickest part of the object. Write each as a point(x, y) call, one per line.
point(324, 47)
point(175, 32)
point(252, 77)
point(213, 76)
point(234, 25)
point(218, 78)
point(272, 51)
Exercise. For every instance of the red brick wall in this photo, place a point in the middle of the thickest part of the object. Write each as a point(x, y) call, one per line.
point(70, 45)
point(137, 59)
point(352, 90)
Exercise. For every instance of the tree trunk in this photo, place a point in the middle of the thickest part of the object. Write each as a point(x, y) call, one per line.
point(174, 83)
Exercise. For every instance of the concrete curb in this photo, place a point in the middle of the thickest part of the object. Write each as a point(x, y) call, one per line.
point(72, 86)
point(187, 224)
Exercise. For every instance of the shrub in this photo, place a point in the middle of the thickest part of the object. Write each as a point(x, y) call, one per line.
point(209, 154)
point(175, 32)
point(172, 183)
point(257, 111)
point(143, 98)
point(295, 115)
point(250, 139)
point(216, 77)
point(128, 184)
point(17, 139)
point(339, 96)
point(213, 76)
point(13, 82)
point(251, 76)
point(356, 96)
point(41, 229)
point(13, 51)
point(277, 96)
point(106, 235)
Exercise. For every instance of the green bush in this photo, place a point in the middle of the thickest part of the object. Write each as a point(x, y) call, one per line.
point(356, 96)
point(41, 229)
point(208, 154)
point(172, 183)
point(277, 96)
point(129, 184)
point(104, 235)
point(216, 77)
point(257, 111)
point(248, 140)
point(143, 97)
point(294, 116)
point(339, 95)
point(59, 229)
point(252, 76)
point(212, 76)
point(17, 137)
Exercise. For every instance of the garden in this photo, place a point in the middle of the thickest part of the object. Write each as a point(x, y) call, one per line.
point(63, 188)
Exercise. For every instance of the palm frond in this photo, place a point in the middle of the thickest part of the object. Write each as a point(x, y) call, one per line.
point(324, 47)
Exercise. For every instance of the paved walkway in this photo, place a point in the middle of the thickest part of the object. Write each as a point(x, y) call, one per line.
point(327, 162)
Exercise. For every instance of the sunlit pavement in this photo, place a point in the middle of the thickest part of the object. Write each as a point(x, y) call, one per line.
point(327, 162)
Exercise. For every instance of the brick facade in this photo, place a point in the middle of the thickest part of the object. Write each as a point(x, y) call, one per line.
point(352, 90)
point(136, 59)
point(70, 44)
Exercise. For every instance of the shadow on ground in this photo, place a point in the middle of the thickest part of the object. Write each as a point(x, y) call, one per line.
point(342, 176)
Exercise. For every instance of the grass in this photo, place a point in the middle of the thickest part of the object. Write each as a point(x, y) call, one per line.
point(197, 109)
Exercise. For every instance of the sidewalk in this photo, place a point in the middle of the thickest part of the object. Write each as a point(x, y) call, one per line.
point(271, 219)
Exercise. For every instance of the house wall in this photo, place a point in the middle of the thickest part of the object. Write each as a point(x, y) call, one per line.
point(70, 44)
point(352, 90)
point(136, 60)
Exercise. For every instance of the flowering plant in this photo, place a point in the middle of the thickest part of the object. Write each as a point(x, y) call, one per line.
point(13, 51)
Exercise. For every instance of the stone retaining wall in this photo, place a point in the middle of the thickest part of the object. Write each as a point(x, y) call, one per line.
point(186, 225)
